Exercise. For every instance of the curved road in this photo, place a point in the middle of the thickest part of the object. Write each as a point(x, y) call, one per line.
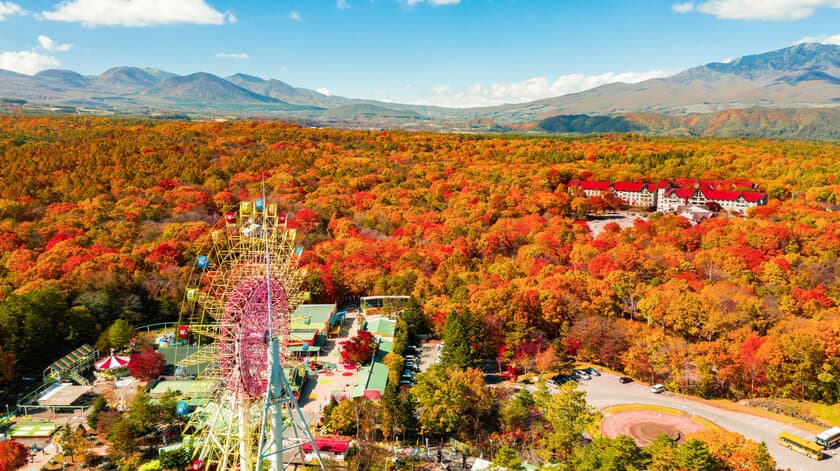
point(605, 390)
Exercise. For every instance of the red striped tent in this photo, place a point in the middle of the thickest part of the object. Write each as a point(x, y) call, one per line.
point(112, 363)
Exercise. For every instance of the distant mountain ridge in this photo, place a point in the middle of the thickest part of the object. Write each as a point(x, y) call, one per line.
point(283, 91)
point(803, 76)
point(207, 88)
point(807, 56)
point(133, 78)
point(800, 76)
point(61, 79)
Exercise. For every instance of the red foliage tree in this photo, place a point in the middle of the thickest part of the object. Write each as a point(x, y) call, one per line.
point(13, 455)
point(146, 365)
point(359, 349)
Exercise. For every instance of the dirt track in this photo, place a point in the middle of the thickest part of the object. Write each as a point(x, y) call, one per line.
point(622, 423)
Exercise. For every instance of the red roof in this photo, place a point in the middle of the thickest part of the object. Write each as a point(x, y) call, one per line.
point(722, 195)
point(627, 186)
point(754, 197)
point(330, 445)
point(686, 188)
point(751, 196)
point(685, 182)
point(683, 193)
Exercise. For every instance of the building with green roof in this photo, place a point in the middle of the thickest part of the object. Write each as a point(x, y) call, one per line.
point(381, 327)
point(373, 377)
point(309, 321)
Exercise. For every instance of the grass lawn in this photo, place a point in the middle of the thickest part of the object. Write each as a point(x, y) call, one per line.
point(826, 413)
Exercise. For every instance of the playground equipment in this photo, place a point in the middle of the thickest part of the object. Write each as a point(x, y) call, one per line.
point(244, 287)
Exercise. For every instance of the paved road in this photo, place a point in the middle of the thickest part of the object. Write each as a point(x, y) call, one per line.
point(318, 388)
point(606, 391)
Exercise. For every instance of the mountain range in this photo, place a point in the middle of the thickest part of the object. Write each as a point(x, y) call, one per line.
point(801, 77)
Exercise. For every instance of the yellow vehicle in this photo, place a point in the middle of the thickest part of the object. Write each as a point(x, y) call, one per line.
point(801, 445)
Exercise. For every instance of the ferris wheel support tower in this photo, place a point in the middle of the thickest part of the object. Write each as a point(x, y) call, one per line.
point(240, 313)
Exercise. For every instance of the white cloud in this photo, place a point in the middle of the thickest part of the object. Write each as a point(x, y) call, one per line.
point(528, 90)
point(26, 62)
point(49, 45)
point(232, 55)
point(771, 10)
point(323, 91)
point(683, 7)
point(9, 9)
point(825, 39)
point(137, 12)
point(342, 4)
point(295, 16)
point(434, 3)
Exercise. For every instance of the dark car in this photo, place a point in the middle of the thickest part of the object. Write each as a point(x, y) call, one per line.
point(593, 371)
point(560, 379)
point(625, 379)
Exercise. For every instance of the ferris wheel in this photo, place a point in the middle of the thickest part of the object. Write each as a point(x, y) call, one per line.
point(237, 310)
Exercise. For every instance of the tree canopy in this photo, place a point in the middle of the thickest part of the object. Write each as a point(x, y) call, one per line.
point(99, 220)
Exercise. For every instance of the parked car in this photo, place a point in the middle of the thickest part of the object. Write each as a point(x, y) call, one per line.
point(625, 379)
point(560, 379)
point(657, 388)
point(582, 374)
point(593, 371)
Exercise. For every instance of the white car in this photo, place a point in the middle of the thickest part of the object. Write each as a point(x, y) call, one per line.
point(657, 388)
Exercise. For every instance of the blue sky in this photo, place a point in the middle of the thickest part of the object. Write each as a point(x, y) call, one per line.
point(445, 52)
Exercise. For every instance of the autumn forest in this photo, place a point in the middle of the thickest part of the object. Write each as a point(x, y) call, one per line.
point(100, 220)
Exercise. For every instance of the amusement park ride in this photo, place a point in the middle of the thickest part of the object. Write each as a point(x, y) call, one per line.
point(244, 286)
